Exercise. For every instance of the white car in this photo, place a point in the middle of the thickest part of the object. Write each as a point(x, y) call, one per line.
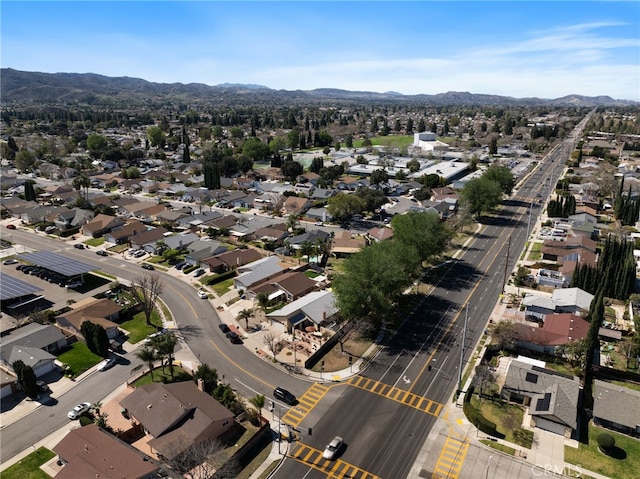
point(202, 295)
point(333, 448)
point(79, 410)
point(10, 261)
point(106, 364)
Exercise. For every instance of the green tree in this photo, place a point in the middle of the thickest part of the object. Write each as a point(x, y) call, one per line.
point(148, 356)
point(293, 139)
point(255, 149)
point(378, 176)
point(481, 195)
point(155, 136)
point(373, 199)
point(26, 378)
point(343, 206)
point(165, 346)
point(96, 144)
point(501, 175)
point(423, 231)
point(209, 377)
point(245, 164)
point(291, 170)
point(25, 160)
point(245, 314)
point(258, 402)
point(82, 182)
point(263, 302)
point(29, 190)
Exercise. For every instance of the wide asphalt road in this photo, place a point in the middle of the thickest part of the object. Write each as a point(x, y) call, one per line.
point(386, 413)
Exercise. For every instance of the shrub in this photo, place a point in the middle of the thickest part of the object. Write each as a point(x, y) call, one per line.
point(606, 442)
point(219, 277)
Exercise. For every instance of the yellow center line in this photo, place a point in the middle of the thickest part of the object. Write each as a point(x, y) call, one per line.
point(270, 386)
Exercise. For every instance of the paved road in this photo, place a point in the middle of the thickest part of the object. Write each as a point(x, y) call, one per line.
point(386, 414)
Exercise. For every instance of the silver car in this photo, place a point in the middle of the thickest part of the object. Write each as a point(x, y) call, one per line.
point(331, 451)
point(79, 410)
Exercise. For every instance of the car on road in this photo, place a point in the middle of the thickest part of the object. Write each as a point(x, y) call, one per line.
point(102, 252)
point(10, 261)
point(284, 395)
point(333, 448)
point(106, 364)
point(147, 266)
point(79, 410)
point(224, 328)
point(78, 246)
point(203, 295)
point(11, 227)
point(233, 337)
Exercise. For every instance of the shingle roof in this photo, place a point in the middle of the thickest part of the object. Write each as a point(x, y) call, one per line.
point(34, 335)
point(616, 404)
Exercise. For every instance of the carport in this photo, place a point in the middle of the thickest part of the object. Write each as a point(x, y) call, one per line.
point(57, 263)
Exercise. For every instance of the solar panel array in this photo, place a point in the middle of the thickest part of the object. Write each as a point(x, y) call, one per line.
point(11, 288)
point(57, 262)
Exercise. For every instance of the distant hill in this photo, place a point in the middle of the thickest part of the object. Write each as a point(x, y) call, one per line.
point(20, 87)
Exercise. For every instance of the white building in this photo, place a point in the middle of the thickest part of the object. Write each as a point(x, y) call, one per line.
point(426, 141)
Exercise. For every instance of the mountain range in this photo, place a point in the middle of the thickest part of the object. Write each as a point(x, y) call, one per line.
point(21, 87)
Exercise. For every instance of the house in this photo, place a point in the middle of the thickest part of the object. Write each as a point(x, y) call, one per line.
point(176, 416)
point(100, 225)
point(122, 234)
point(556, 330)
point(377, 234)
point(150, 213)
point(312, 238)
point(552, 398)
point(288, 286)
point(258, 271)
point(344, 244)
point(148, 239)
point(92, 452)
point(102, 312)
point(230, 260)
point(319, 214)
point(294, 205)
point(616, 407)
point(563, 300)
point(275, 232)
point(316, 309)
point(8, 383)
point(203, 248)
point(180, 241)
point(34, 344)
point(40, 213)
point(72, 218)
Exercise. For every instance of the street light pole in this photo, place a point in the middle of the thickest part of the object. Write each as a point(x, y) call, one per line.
point(486, 474)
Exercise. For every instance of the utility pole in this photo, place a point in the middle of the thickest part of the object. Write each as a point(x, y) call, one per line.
point(529, 222)
point(464, 339)
point(506, 266)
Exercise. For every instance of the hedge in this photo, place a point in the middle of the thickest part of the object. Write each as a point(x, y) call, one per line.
point(477, 419)
point(69, 232)
point(220, 277)
point(189, 269)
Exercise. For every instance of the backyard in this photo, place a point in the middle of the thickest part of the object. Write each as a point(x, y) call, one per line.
point(624, 464)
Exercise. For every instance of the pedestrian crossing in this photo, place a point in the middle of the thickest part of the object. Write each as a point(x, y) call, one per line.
point(396, 394)
point(337, 469)
point(451, 459)
point(295, 415)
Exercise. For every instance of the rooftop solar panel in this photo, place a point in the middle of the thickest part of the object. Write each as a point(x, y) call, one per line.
point(57, 262)
point(11, 288)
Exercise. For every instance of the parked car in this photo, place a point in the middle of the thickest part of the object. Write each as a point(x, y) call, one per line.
point(78, 246)
point(150, 338)
point(199, 272)
point(331, 451)
point(10, 261)
point(224, 328)
point(180, 265)
point(42, 386)
point(139, 254)
point(284, 395)
point(106, 364)
point(102, 252)
point(234, 338)
point(79, 410)
point(147, 266)
point(73, 284)
point(49, 229)
point(11, 227)
point(203, 295)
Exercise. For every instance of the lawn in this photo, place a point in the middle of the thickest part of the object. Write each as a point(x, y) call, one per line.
point(395, 141)
point(79, 358)
point(590, 458)
point(335, 360)
point(223, 286)
point(29, 467)
point(95, 241)
point(311, 274)
point(507, 418)
point(179, 375)
point(536, 251)
point(499, 447)
point(138, 328)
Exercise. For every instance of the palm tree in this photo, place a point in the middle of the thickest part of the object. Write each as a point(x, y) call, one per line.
point(292, 222)
point(245, 314)
point(258, 401)
point(306, 248)
point(82, 181)
point(148, 356)
point(165, 347)
point(263, 302)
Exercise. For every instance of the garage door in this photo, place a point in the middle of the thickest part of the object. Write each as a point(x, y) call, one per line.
point(5, 391)
point(550, 426)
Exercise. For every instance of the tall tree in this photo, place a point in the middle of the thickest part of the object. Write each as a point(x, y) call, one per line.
point(481, 195)
point(148, 356)
point(146, 289)
point(422, 231)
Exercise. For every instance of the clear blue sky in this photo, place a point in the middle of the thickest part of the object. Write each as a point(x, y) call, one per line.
point(546, 49)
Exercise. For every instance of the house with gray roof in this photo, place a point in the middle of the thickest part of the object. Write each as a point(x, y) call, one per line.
point(563, 300)
point(180, 241)
point(316, 309)
point(616, 407)
point(201, 249)
point(34, 344)
point(312, 237)
point(258, 271)
point(552, 398)
point(40, 361)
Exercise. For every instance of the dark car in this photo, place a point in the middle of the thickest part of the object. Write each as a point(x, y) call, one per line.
point(147, 266)
point(11, 227)
point(224, 328)
point(78, 246)
point(180, 265)
point(284, 395)
point(102, 253)
point(233, 337)
point(199, 272)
